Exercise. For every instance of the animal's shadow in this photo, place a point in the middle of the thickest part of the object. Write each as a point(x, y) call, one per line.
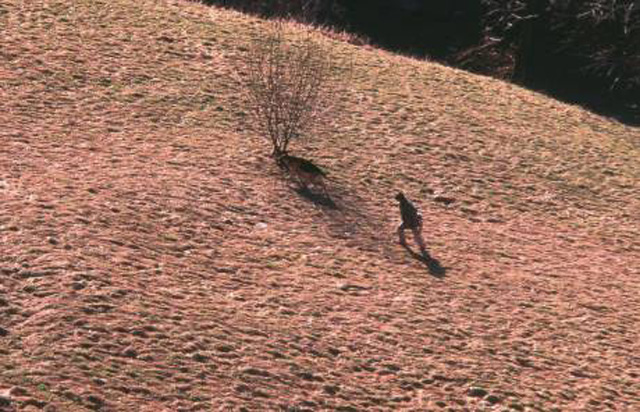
point(432, 264)
point(320, 199)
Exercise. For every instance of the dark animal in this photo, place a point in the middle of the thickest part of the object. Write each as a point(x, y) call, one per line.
point(303, 170)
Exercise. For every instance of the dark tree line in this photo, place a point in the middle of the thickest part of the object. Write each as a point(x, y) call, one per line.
point(586, 51)
point(583, 51)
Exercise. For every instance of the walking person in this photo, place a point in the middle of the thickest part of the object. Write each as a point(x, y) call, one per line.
point(412, 220)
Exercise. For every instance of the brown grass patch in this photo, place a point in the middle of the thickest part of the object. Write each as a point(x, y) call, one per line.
point(153, 258)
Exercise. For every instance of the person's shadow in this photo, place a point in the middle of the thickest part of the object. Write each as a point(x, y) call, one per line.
point(432, 264)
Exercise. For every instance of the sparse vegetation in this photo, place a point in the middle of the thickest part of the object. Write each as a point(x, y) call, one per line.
point(289, 82)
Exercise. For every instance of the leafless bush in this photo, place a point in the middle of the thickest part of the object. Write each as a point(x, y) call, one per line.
point(289, 80)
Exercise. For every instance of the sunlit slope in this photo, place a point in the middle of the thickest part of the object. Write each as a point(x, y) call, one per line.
point(152, 257)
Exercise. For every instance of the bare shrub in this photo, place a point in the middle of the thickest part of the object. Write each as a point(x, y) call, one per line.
point(289, 80)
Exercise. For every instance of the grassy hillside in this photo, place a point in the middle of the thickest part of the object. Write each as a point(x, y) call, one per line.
point(153, 258)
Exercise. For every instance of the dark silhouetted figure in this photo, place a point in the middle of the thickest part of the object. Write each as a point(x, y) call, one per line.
point(304, 171)
point(412, 220)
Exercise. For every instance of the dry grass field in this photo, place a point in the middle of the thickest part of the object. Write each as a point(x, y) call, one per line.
point(154, 258)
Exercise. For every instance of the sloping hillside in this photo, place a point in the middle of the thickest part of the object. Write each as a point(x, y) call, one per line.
point(153, 258)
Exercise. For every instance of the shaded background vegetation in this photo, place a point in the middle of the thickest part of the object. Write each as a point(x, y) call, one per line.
point(581, 51)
